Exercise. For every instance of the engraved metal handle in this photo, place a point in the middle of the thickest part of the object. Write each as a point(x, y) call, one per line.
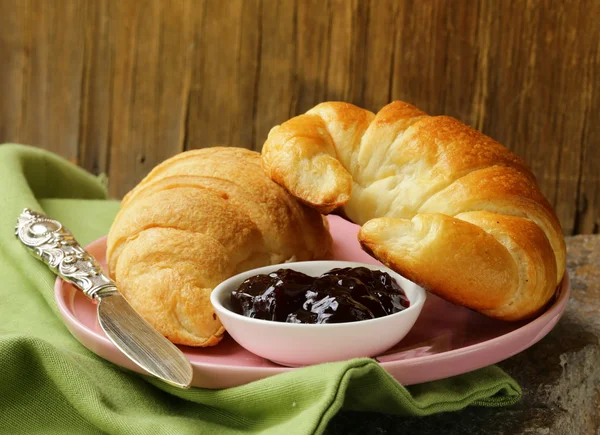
point(47, 240)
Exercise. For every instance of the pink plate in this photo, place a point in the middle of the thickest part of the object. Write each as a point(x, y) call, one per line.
point(447, 340)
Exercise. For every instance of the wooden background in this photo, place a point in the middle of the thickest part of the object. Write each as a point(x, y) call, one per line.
point(119, 86)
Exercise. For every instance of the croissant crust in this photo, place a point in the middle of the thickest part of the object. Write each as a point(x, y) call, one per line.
point(195, 220)
point(437, 201)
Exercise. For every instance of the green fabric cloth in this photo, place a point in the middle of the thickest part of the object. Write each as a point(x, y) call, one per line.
point(49, 383)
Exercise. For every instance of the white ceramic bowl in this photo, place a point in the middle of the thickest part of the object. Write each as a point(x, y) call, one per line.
point(293, 344)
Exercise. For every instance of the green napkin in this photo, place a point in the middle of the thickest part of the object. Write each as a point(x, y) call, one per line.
point(50, 383)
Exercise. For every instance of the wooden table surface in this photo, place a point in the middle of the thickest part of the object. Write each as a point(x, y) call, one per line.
point(118, 86)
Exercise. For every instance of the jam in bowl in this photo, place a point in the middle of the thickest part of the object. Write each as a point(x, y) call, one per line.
point(347, 294)
point(312, 312)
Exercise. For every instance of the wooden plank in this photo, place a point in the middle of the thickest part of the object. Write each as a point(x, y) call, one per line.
point(340, 73)
point(312, 54)
point(134, 39)
point(420, 55)
point(96, 89)
point(177, 22)
point(151, 51)
point(225, 70)
point(379, 51)
point(120, 86)
point(276, 90)
point(14, 50)
point(440, 47)
point(51, 80)
point(568, 39)
point(466, 40)
point(587, 216)
point(537, 109)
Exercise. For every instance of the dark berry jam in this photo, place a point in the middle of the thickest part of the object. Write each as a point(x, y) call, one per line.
point(337, 296)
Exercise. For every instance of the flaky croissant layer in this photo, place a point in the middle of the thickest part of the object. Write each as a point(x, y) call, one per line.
point(194, 221)
point(439, 202)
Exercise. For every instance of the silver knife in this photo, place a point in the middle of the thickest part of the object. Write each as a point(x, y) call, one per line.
point(47, 240)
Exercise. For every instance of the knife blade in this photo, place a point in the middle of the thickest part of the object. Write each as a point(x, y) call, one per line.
point(49, 241)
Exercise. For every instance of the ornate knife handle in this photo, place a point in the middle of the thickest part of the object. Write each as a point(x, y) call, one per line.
point(47, 240)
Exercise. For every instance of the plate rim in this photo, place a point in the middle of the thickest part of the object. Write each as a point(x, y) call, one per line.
point(550, 316)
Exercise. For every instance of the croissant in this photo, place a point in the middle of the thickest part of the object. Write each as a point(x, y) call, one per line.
point(195, 220)
point(442, 204)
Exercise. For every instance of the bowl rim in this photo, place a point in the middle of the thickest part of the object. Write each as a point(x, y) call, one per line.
point(416, 304)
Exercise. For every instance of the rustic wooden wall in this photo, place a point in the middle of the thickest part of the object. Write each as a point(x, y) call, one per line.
point(118, 86)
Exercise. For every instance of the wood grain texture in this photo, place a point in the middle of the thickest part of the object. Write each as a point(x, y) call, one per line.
point(41, 81)
point(276, 84)
point(120, 86)
point(221, 101)
point(151, 56)
point(14, 49)
point(96, 83)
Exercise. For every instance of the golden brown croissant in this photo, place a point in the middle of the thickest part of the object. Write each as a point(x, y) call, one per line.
point(195, 220)
point(439, 202)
